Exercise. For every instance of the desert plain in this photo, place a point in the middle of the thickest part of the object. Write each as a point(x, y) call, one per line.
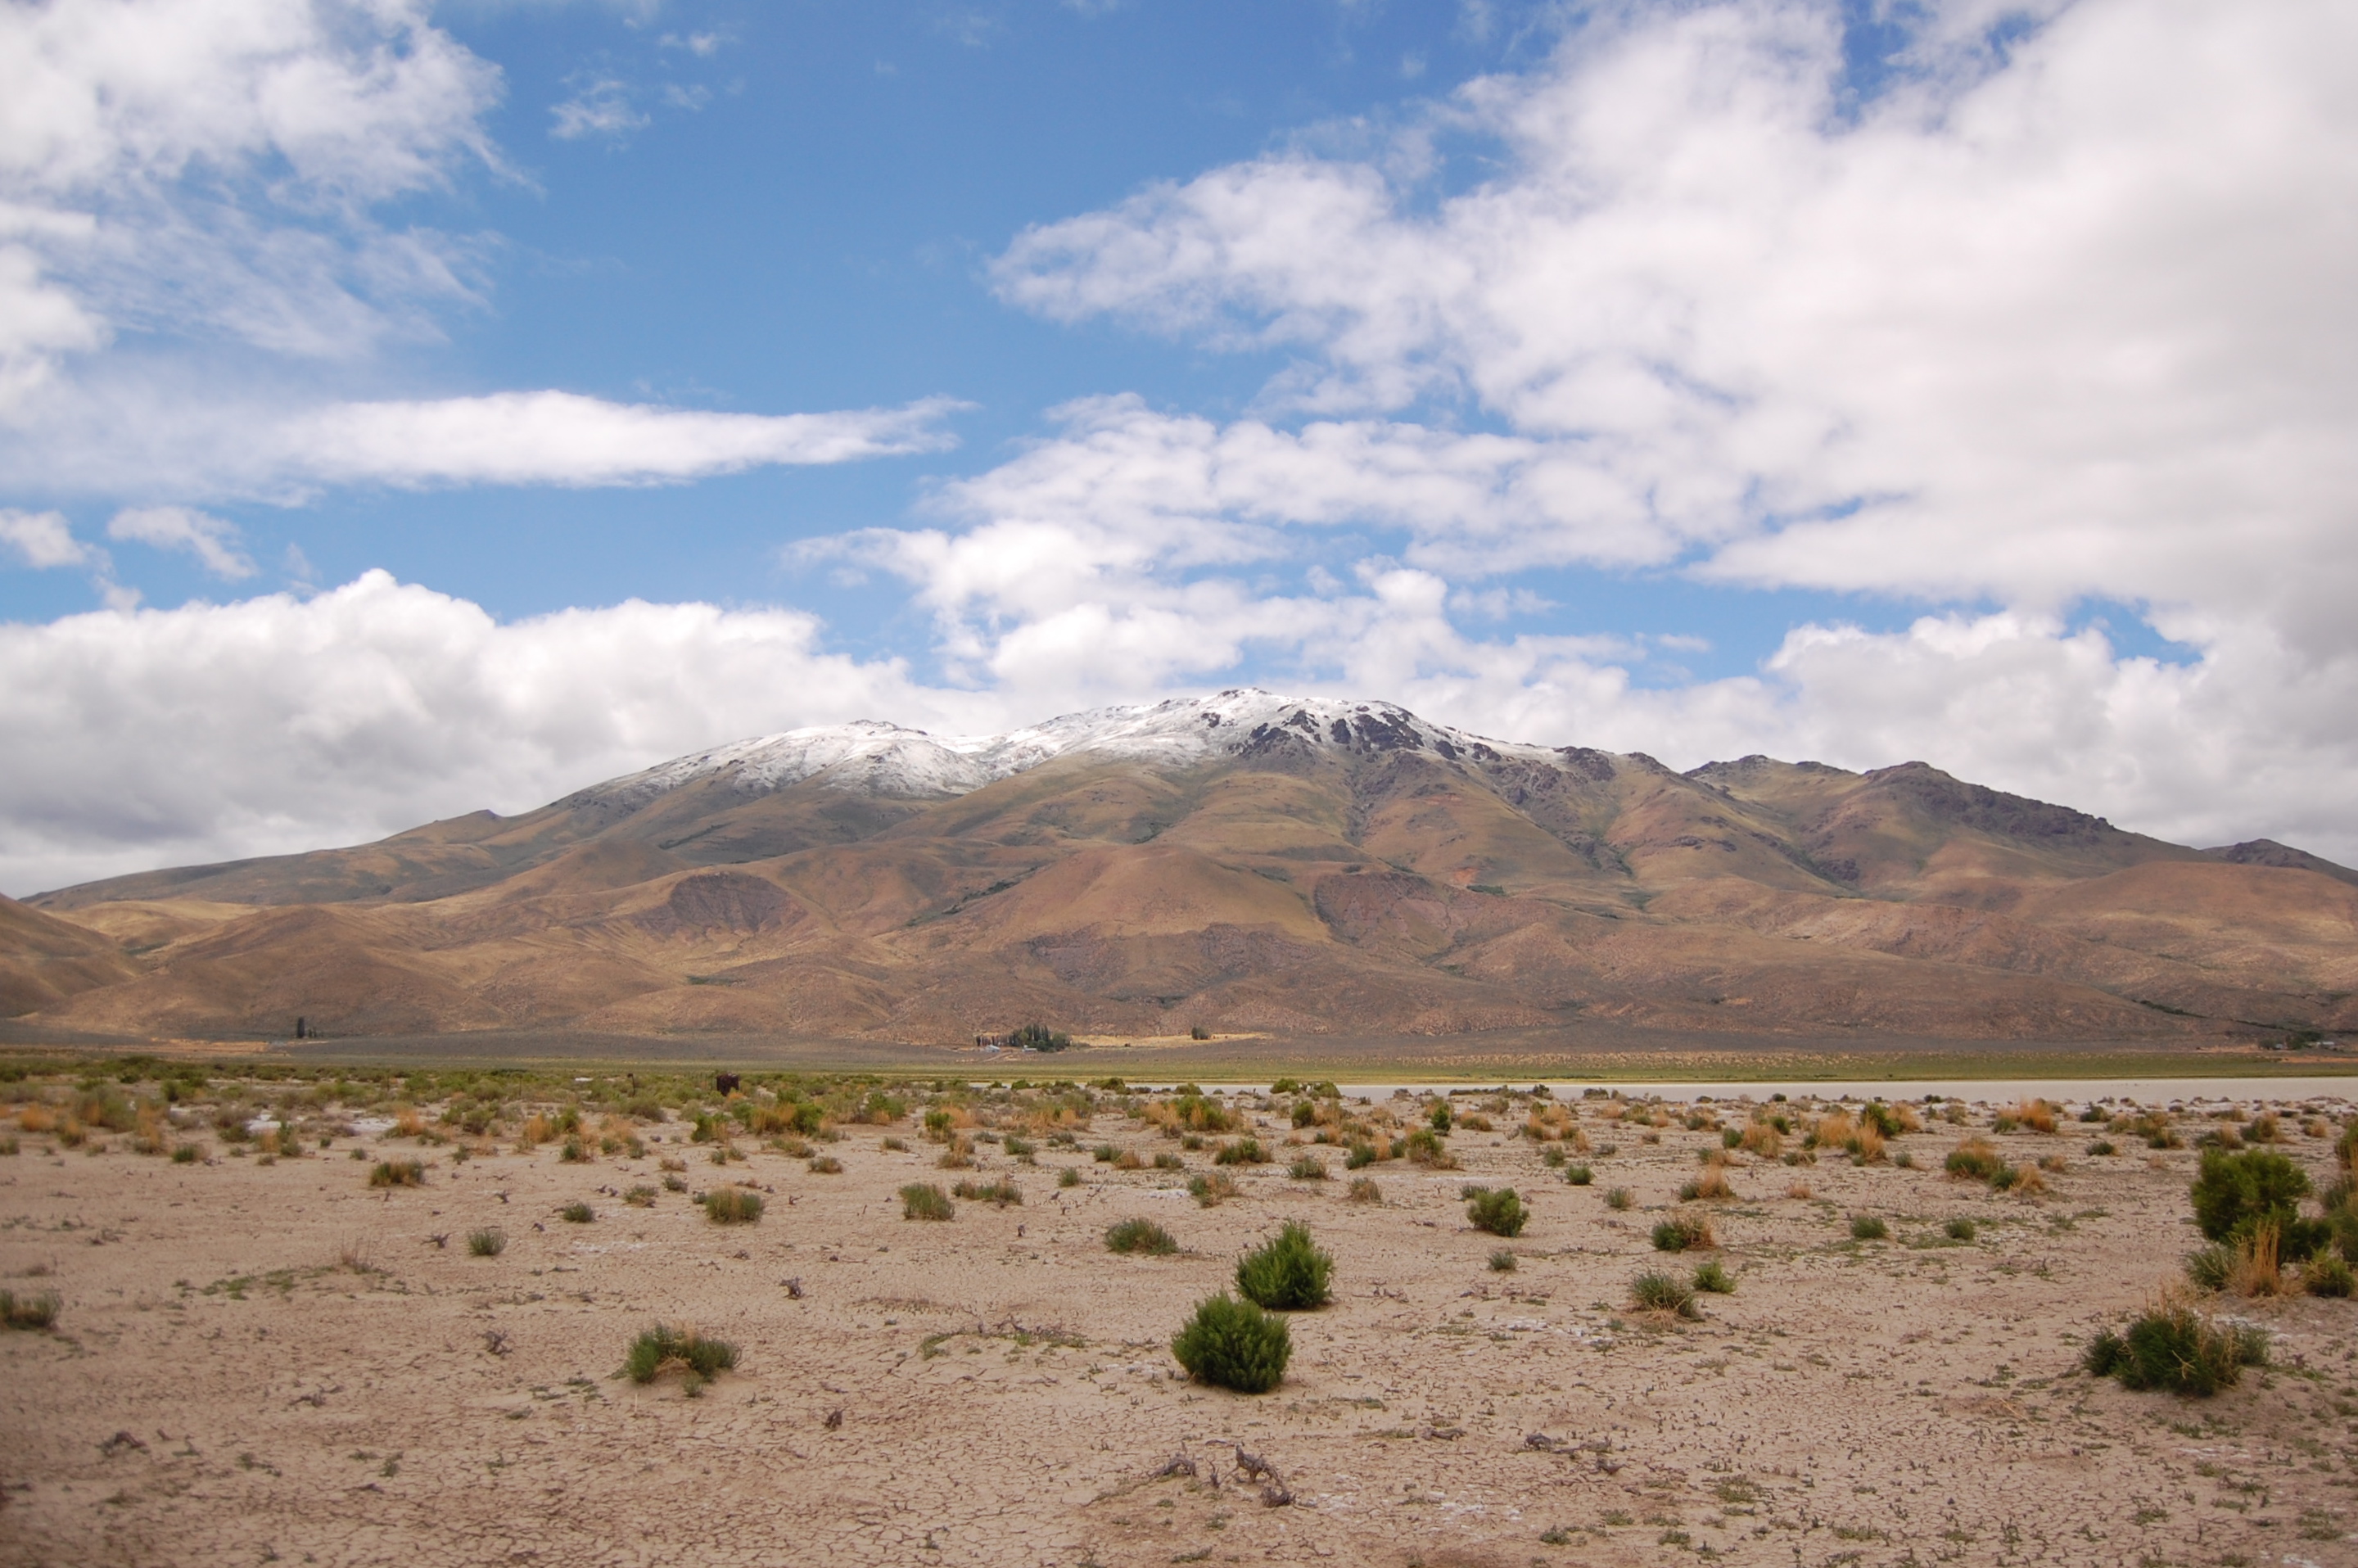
point(259, 1356)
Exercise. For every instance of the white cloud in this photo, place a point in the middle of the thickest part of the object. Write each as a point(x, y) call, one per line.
point(41, 539)
point(2072, 320)
point(212, 540)
point(556, 437)
point(599, 107)
point(211, 161)
point(276, 723)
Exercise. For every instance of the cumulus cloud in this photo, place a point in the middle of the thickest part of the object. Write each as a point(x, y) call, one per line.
point(212, 540)
point(215, 160)
point(2070, 318)
point(41, 539)
point(160, 736)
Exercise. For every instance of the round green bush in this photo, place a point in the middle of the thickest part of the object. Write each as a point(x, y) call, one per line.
point(1498, 1211)
point(1287, 1273)
point(1140, 1235)
point(1234, 1344)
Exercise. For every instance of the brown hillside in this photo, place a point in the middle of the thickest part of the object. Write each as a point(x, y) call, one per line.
point(1244, 863)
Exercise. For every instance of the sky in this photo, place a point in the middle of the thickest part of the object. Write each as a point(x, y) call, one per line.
point(412, 408)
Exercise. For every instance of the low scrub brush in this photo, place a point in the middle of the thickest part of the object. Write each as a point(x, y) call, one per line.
point(922, 1200)
point(36, 1311)
point(1685, 1233)
point(1213, 1190)
point(1364, 1189)
point(1234, 1344)
point(667, 1349)
point(1713, 1277)
point(998, 1193)
point(1499, 1210)
point(1309, 1168)
point(2171, 1346)
point(489, 1242)
point(1287, 1273)
point(732, 1206)
point(1140, 1235)
point(398, 1173)
point(1663, 1293)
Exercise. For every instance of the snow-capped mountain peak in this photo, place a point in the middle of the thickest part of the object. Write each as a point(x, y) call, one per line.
point(889, 759)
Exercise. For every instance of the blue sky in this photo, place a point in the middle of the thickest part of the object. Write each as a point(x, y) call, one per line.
point(478, 398)
point(793, 207)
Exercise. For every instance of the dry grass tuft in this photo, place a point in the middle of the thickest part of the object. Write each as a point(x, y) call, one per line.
point(1798, 1190)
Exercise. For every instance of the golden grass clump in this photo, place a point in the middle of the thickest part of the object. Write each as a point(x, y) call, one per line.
point(536, 1130)
point(1833, 1131)
point(37, 1118)
point(2257, 1270)
point(1710, 1187)
point(408, 1122)
point(2034, 1114)
point(1762, 1140)
point(1798, 1190)
point(1866, 1144)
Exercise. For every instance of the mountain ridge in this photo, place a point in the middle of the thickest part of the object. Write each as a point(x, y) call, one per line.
point(1247, 860)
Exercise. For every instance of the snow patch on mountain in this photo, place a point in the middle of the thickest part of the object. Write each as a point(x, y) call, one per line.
point(876, 758)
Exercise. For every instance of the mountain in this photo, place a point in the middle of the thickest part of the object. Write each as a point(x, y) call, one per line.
point(1242, 863)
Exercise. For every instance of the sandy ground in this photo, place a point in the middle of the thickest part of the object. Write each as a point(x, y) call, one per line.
point(999, 1388)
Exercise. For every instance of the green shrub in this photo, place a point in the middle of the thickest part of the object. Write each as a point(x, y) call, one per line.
point(1974, 1159)
point(1213, 1190)
point(663, 1349)
point(1243, 1151)
point(1869, 1227)
point(998, 1193)
point(1234, 1344)
point(36, 1311)
point(1439, 1116)
point(1021, 1149)
point(1167, 1160)
point(824, 1165)
point(1713, 1277)
point(1961, 1229)
point(1618, 1197)
point(2234, 1194)
point(1364, 1190)
point(1663, 1292)
point(577, 1214)
point(1502, 1261)
point(1105, 1154)
point(1579, 1175)
point(398, 1173)
point(1140, 1235)
point(2103, 1146)
point(489, 1242)
point(2211, 1268)
point(1309, 1168)
point(186, 1154)
point(1360, 1156)
point(1684, 1232)
point(2327, 1274)
point(732, 1206)
point(922, 1200)
point(2173, 1347)
point(1070, 1176)
point(1498, 1211)
point(1286, 1273)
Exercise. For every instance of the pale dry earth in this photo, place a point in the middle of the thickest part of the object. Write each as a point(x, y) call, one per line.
point(1007, 1394)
